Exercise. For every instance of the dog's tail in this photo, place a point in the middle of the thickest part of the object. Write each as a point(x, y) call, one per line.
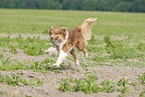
point(86, 27)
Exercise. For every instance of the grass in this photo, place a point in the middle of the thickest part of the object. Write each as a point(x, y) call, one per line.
point(88, 85)
point(31, 46)
point(16, 79)
point(38, 21)
point(141, 79)
point(117, 40)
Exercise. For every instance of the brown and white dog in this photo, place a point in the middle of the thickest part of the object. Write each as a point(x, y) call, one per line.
point(64, 41)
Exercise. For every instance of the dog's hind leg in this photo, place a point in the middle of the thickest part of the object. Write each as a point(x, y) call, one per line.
point(85, 52)
point(81, 46)
point(72, 52)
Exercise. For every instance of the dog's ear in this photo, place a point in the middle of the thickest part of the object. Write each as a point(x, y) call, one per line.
point(63, 28)
point(50, 27)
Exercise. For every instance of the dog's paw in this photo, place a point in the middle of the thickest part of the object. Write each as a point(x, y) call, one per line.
point(56, 65)
point(77, 63)
point(51, 51)
point(47, 51)
point(86, 55)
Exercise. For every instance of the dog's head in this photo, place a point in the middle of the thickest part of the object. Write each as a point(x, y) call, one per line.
point(58, 34)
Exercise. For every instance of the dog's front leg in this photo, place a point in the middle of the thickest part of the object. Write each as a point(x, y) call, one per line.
point(60, 59)
point(51, 51)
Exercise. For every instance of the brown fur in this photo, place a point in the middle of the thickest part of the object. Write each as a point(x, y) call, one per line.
point(77, 37)
point(58, 32)
point(86, 27)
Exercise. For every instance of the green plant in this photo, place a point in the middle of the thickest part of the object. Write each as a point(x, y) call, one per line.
point(31, 46)
point(141, 46)
point(5, 93)
point(122, 90)
point(45, 31)
point(123, 86)
point(7, 64)
point(13, 50)
point(141, 79)
point(15, 79)
point(35, 81)
point(123, 82)
point(87, 85)
point(10, 80)
point(40, 67)
point(142, 94)
point(108, 41)
point(107, 86)
point(2, 78)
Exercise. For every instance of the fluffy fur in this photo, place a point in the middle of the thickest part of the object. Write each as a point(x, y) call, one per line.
point(64, 41)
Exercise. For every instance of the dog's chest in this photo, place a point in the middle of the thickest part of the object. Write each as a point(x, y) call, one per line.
point(59, 45)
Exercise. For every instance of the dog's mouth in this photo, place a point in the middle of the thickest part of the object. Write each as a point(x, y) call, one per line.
point(57, 39)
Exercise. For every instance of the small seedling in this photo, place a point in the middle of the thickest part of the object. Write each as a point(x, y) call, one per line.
point(107, 86)
point(141, 79)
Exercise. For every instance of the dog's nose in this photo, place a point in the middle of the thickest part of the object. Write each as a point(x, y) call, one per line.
point(51, 37)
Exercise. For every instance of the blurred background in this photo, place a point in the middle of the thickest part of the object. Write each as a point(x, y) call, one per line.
point(96, 5)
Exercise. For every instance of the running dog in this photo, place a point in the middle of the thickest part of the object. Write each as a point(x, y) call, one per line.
point(64, 41)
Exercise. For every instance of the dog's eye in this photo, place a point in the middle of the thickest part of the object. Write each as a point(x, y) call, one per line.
point(63, 34)
point(56, 33)
point(50, 33)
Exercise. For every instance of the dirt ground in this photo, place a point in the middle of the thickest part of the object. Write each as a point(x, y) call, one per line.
point(50, 86)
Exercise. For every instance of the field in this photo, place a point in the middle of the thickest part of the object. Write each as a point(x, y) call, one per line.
point(115, 66)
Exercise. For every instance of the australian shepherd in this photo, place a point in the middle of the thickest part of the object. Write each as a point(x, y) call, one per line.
point(65, 41)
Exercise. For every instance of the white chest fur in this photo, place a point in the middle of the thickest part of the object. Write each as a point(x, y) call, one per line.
point(60, 44)
point(62, 54)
